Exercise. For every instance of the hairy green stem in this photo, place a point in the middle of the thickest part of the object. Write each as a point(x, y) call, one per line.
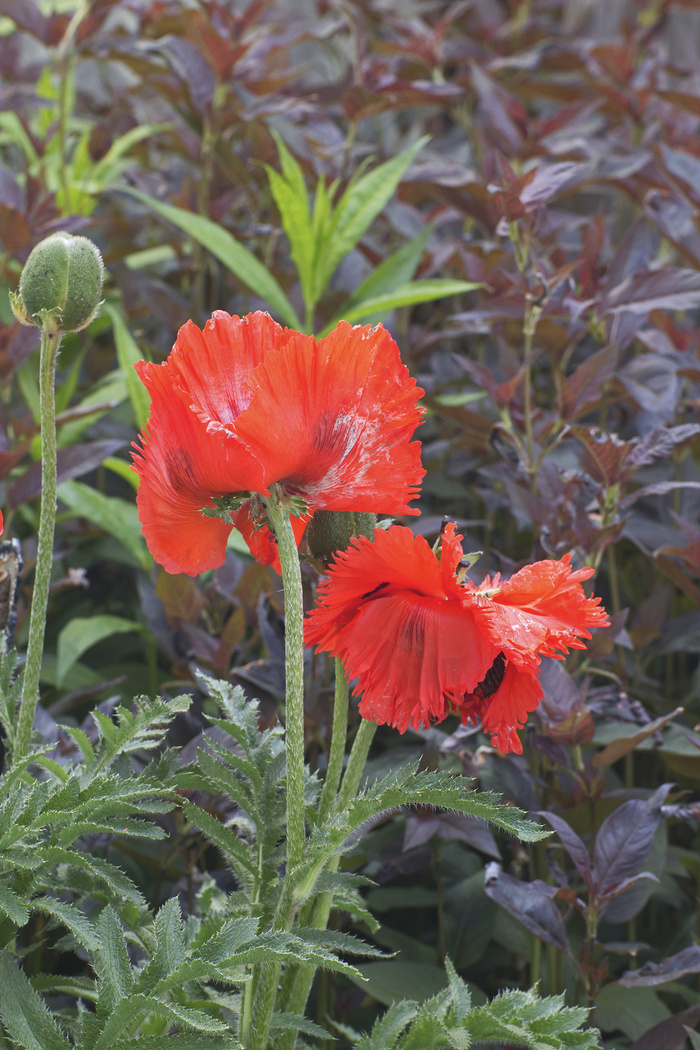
point(338, 740)
point(44, 557)
point(255, 1022)
point(296, 996)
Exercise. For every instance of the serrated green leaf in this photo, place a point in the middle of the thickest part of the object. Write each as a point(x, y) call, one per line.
point(362, 201)
point(72, 918)
point(388, 1028)
point(223, 837)
point(130, 1009)
point(115, 516)
point(81, 633)
point(191, 1041)
point(13, 906)
point(242, 263)
point(24, 1012)
point(128, 353)
point(112, 963)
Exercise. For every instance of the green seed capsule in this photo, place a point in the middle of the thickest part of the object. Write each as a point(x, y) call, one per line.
point(331, 530)
point(61, 284)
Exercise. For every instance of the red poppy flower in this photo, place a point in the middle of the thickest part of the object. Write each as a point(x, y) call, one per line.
point(245, 404)
point(423, 644)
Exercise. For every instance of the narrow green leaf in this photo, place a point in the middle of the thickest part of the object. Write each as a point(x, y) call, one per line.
point(13, 906)
point(223, 837)
point(389, 1027)
point(379, 306)
point(291, 198)
point(82, 633)
point(362, 201)
point(128, 353)
point(242, 263)
point(397, 269)
point(115, 516)
point(191, 1041)
point(24, 1012)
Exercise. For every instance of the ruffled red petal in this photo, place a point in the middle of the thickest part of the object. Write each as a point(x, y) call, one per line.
point(180, 467)
point(332, 421)
point(395, 560)
point(383, 611)
point(213, 366)
point(508, 708)
point(540, 611)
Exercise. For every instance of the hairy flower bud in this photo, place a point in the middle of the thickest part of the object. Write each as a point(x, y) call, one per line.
point(331, 530)
point(61, 284)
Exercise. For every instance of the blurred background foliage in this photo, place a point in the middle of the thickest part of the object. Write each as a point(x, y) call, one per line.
point(513, 187)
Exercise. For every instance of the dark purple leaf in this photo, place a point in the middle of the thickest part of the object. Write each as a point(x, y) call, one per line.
point(530, 903)
point(457, 826)
point(668, 289)
point(625, 838)
point(73, 462)
point(671, 969)
point(659, 489)
point(653, 382)
point(660, 442)
point(547, 182)
point(573, 844)
point(669, 1034)
point(618, 888)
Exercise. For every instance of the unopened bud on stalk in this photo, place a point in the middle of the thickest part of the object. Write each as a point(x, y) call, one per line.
point(61, 284)
point(331, 530)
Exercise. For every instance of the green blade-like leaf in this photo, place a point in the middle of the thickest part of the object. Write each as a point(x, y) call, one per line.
point(191, 1041)
point(407, 295)
point(246, 267)
point(128, 354)
point(24, 1012)
point(291, 198)
point(115, 516)
point(362, 201)
point(393, 272)
point(388, 1028)
point(82, 633)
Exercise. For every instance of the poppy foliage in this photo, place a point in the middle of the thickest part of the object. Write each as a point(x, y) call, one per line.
point(424, 642)
point(244, 404)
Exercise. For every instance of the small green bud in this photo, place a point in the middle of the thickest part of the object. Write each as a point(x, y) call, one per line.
point(61, 284)
point(331, 530)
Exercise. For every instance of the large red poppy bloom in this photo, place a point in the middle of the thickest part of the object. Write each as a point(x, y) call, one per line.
point(423, 644)
point(245, 404)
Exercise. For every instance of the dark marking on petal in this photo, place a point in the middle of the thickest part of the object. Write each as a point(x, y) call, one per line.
point(375, 592)
point(491, 681)
point(180, 471)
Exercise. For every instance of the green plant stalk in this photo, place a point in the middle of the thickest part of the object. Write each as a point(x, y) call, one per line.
point(301, 978)
point(44, 557)
point(256, 1017)
point(338, 741)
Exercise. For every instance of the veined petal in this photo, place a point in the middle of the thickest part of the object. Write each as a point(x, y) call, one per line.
point(414, 657)
point(212, 367)
point(332, 421)
point(181, 467)
point(508, 708)
point(394, 560)
point(540, 611)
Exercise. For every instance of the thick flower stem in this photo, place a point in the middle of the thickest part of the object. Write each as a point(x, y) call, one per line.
point(338, 739)
point(255, 1024)
point(298, 993)
point(44, 558)
point(294, 679)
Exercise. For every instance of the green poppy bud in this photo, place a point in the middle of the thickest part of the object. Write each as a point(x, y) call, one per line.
point(61, 284)
point(331, 530)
